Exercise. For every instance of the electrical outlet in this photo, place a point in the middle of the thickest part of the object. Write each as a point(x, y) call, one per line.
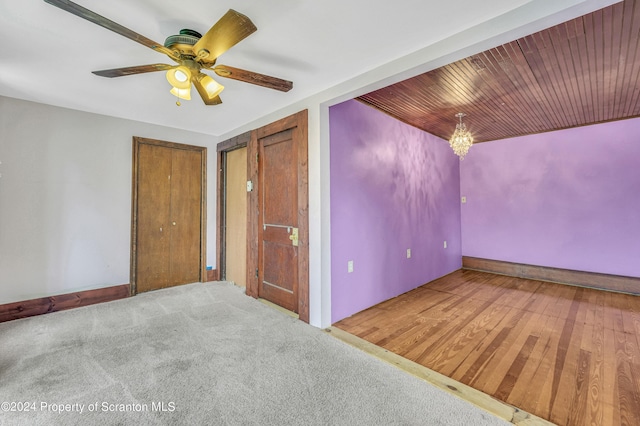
point(350, 266)
point(445, 243)
point(408, 253)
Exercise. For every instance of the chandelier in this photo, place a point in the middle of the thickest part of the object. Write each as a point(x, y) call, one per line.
point(461, 140)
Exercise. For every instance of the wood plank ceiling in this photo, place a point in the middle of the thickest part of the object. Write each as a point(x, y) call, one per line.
point(580, 72)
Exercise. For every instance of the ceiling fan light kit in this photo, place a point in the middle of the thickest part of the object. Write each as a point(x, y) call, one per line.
point(192, 52)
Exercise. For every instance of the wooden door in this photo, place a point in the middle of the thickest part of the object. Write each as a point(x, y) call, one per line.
point(236, 216)
point(186, 199)
point(278, 224)
point(168, 209)
point(154, 210)
point(279, 214)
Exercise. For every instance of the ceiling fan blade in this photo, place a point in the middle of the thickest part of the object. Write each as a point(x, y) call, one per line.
point(253, 78)
point(140, 69)
point(90, 16)
point(232, 28)
point(204, 95)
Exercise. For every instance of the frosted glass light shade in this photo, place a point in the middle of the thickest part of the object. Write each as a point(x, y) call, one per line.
point(212, 87)
point(182, 93)
point(179, 77)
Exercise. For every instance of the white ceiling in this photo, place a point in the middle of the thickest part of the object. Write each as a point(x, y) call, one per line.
point(47, 54)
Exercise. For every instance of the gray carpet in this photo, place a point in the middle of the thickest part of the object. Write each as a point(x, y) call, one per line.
point(204, 354)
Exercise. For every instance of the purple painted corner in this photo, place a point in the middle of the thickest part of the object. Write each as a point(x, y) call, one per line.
point(567, 199)
point(393, 188)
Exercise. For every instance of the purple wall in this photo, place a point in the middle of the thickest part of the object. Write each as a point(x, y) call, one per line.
point(393, 187)
point(568, 199)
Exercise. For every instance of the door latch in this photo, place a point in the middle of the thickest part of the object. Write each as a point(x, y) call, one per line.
point(294, 237)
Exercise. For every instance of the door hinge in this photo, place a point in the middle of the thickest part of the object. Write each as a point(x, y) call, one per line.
point(256, 272)
point(257, 157)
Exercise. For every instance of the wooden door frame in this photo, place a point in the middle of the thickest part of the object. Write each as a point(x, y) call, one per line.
point(237, 142)
point(299, 123)
point(137, 141)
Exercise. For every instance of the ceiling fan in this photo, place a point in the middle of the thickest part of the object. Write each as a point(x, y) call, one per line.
point(192, 52)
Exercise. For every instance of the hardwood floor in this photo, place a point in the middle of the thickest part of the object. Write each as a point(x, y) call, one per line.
point(566, 354)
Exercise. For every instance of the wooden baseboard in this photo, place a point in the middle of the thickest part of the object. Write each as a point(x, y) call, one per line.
point(212, 275)
point(45, 305)
point(617, 283)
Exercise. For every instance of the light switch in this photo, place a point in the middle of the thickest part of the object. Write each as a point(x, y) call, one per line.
point(408, 253)
point(350, 266)
point(464, 200)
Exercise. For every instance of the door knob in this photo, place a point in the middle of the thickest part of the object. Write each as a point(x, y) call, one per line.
point(174, 224)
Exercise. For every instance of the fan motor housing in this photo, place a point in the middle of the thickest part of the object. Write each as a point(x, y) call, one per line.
point(183, 42)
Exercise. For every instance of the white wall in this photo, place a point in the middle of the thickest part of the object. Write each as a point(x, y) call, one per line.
point(65, 198)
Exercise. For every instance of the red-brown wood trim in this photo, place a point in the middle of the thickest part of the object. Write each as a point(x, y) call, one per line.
point(223, 148)
point(212, 275)
point(303, 215)
point(617, 283)
point(289, 122)
point(252, 217)
point(133, 256)
point(166, 144)
point(45, 305)
point(220, 220)
point(297, 123)
point(203, 214)
point(235, 142)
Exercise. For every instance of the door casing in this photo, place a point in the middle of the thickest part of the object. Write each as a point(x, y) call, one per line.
point(237, 142)
point(298, 123)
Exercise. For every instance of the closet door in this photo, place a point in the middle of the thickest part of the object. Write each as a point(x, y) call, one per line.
point(167, 243)
point(154, 211)
point(184, 259)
